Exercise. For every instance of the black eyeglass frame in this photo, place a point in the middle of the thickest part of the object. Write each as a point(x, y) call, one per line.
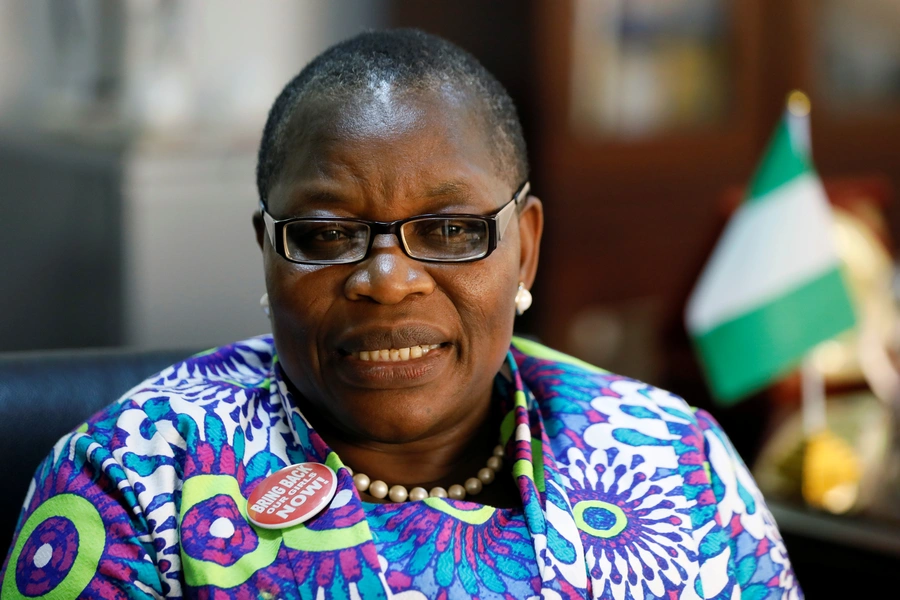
point(497, 222)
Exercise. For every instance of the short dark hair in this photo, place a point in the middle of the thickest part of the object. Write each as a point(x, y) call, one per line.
point(407, 57)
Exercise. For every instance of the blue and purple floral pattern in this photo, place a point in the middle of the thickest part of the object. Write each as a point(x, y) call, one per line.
point(626, 493)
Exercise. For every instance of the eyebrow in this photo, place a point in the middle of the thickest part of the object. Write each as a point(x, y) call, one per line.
point(459, 191)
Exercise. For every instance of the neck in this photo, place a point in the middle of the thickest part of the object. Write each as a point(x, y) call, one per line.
point(440, 458)
point(446, 456)
point(437, 459)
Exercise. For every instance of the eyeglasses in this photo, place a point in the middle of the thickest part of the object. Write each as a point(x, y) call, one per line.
point(444, 238)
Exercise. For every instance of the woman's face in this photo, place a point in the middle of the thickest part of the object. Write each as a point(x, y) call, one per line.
point(386, 157)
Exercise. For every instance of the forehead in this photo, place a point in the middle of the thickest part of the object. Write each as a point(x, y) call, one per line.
point(387, 144)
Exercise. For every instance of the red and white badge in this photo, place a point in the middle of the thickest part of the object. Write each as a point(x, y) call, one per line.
point(292, 495)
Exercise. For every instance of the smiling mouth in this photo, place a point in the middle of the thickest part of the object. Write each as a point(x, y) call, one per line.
point(395, 354)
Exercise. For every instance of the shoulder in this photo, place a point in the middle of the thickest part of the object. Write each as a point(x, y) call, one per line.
point(170, 407)
point(122, 470)
point(620, 442)
point(587, 409)
point(230, 374)
point(564, 383)
point(246, 364)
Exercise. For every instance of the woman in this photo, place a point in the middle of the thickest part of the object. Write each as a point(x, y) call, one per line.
point(399, 240)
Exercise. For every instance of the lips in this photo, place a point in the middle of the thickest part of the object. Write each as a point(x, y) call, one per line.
point(393, 356)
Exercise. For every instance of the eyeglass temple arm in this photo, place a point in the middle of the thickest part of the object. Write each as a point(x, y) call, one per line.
point(506, 215)
point(270, 223)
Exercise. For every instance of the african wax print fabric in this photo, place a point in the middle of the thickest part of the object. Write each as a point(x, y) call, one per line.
point(626, 493)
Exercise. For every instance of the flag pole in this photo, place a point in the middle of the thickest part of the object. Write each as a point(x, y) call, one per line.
point(812, 384)
point(831, 467)
point(797, 115)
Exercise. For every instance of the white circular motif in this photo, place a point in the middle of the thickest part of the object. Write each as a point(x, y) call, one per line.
point(341, 498)
point(43, 556)
point(221, 528)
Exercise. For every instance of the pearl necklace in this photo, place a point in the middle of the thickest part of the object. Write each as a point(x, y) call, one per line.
point(398, 493)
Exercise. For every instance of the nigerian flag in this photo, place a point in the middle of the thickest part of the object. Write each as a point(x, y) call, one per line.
point(772, 288)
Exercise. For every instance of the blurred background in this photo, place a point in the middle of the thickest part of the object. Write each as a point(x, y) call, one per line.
point(128, 133)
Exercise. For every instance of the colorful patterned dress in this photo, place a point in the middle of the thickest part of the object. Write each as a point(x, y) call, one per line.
point(626, 494)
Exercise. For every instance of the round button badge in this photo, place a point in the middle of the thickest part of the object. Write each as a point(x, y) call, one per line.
point(292, 495)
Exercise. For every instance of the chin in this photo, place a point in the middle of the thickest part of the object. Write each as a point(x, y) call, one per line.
point(397, 418)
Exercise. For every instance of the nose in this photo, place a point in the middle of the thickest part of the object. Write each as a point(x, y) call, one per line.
point(387, 275)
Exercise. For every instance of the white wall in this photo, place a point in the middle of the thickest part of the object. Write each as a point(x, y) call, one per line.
point(194, 84)
point(195, 271)
point(208, 63)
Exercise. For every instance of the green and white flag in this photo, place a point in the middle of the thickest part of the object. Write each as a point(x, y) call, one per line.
point(772, 288)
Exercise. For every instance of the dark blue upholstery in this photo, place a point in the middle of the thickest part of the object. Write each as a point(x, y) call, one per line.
point(45, 395)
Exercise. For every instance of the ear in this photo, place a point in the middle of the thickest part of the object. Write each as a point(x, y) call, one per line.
point(531, 226)
point(260, 228)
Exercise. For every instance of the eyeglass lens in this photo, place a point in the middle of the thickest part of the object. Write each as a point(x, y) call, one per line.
point(446, 239)
point(326, 241)
point(431, 238)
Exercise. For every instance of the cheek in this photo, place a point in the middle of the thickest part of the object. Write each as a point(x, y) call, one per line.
point(484, 296)
point(300, 297)
point(301, 290)
point(286, 293)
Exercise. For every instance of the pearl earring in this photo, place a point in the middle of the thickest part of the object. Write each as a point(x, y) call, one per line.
point(523, 299)
point(264, 303)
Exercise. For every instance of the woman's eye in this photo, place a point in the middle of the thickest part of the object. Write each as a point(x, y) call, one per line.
point(330, 235)
point(449, 230)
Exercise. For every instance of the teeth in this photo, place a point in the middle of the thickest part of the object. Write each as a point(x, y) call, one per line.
point(397, 354)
